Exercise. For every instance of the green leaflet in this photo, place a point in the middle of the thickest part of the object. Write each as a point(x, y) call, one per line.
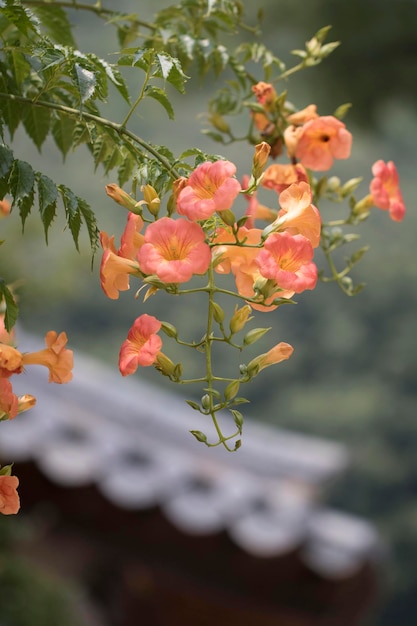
point(11, 308)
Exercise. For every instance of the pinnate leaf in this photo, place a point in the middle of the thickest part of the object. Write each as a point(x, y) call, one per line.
point(86, 82)
point(160, 95)
point(55, 21)
point(37, 122)
point(47, 197)
point(62, 132)
point(11, 310)
point(22, 179)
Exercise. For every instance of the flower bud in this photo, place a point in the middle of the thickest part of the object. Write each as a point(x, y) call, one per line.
point(228, 217)
point(231, 390)
point(313, 47)
point(205, 402)
point(281, 352)
point(169, 330)
point(218, 313)
point(254, 335)
point(333, 183)
point(265, 94)
point(164, 365)
point(362, 208)
point(121, 197)
point(26, 402)
point(260, 159)
point(350, 186)
point(152, 199)
point(238, 419)
point(240, 318)
point(199, 436)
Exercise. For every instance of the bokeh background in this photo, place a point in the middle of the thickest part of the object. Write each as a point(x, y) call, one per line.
point(353, 374)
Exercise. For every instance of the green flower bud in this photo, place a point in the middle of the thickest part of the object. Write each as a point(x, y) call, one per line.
point(333, 184)
point(164, 365)
point(254, 334)
point(205, 402)
point(218, 313)
point(231, 390)
point(350, 186)
point(228, 217)
point(151, 199)
point(240, 318)
point(169, 330)
point(199, 435)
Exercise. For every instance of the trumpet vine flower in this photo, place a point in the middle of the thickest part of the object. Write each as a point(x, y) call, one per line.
point(385, 190)
point(141, 346)
point(287, 259)
point(210, 188)
point(321, 140)
point(9, 498)
point(174, 250)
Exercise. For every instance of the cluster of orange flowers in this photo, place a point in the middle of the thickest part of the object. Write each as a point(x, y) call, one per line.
point(269, 265)
point(59, 361)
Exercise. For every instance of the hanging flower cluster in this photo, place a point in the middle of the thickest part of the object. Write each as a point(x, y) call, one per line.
point(200, 230)
point(202, 236)
point(59, 361)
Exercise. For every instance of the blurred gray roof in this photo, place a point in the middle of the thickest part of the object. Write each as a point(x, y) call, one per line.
point(131, 440)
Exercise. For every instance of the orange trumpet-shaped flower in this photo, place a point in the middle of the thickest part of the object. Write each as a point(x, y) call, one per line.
point(287, 260)
point(279, 176)
point(232, 255)
point(141, 346)
point(241, 261)
point(174, 250)
point(320, 141)
point(9, 498)
point(11, 361)
point(297, 215)
point(9, 403)
point(56, 357)
point(114, 273)
point(385, 190)
point(117, 265)
point(249, 279)
point(265, 94)
point(210, 188)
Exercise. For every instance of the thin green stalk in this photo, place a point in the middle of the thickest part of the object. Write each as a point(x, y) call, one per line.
point(140, 96)
point(209, 370)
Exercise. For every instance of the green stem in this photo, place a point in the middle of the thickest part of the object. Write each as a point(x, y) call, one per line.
point(292, 70)
point(336, 223)
point(140, 96)
point(336, 276)
point(209, 370)
point(119, 128)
